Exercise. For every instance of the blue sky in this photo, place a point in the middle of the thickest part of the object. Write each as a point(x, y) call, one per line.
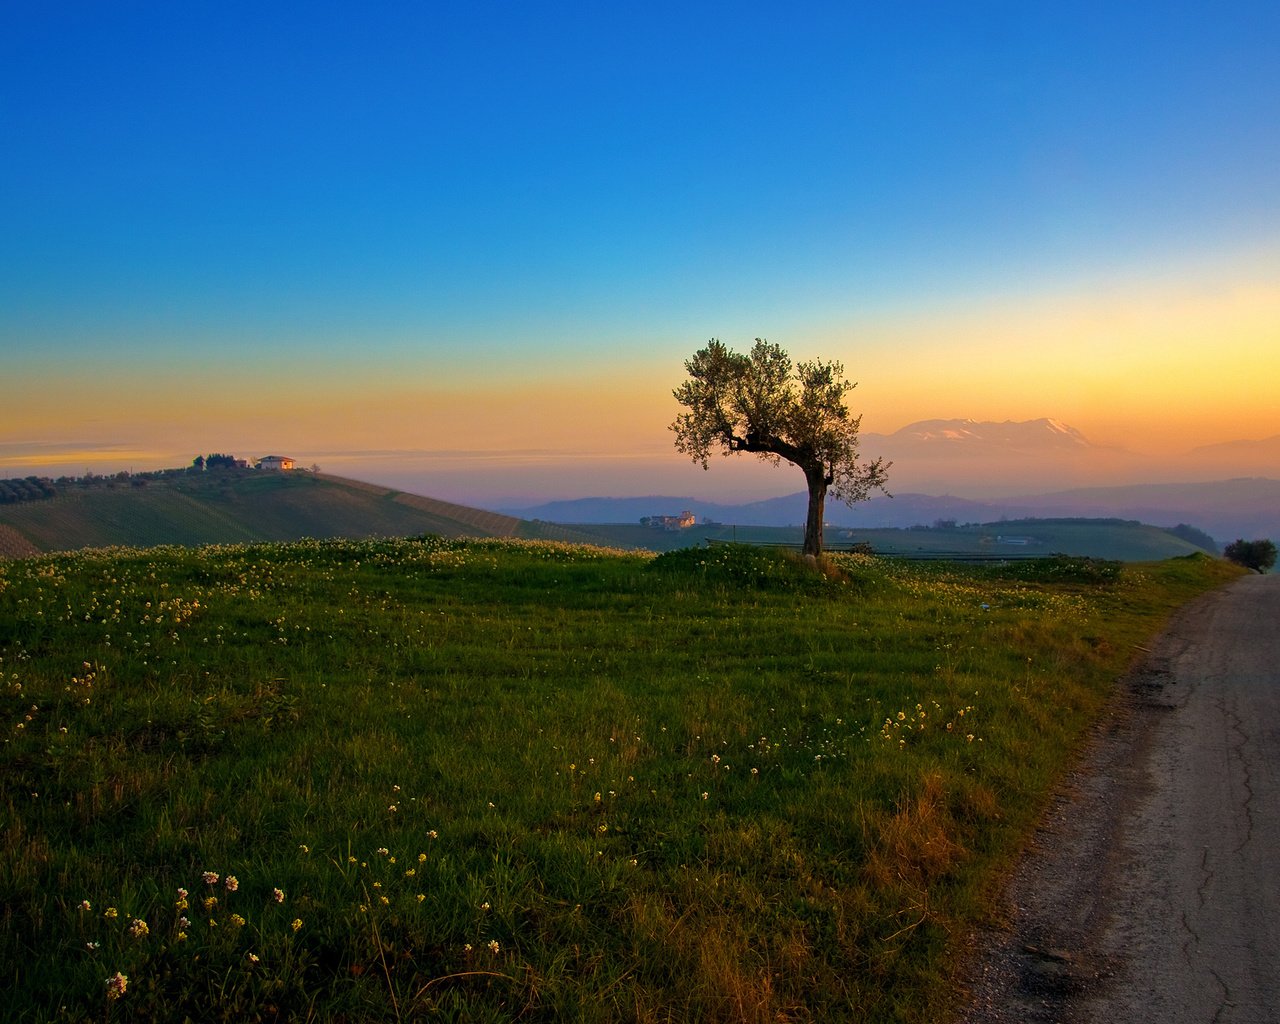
point(469, 206)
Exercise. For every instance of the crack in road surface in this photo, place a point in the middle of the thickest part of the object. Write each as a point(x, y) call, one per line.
point(1241, 752)
point(1149, 894)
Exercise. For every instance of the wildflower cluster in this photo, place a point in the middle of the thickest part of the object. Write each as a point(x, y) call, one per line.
point(117, 985)
point(200, 929)
point(387, 878)
point(972, 591)
point(910, 723)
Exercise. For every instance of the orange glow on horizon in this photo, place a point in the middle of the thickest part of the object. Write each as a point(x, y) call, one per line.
point(1158, 370)
point(1167, 369)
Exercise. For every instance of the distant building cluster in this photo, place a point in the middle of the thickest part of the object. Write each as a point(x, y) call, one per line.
point(219, 461)
point(673, 523)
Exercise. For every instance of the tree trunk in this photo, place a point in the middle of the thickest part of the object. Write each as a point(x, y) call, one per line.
point(817, 504)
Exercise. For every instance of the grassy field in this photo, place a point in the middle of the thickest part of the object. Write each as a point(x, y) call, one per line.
point(500, 780)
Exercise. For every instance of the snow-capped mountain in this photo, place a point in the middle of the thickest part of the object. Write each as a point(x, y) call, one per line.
point(950, 456)
point(1028, 437)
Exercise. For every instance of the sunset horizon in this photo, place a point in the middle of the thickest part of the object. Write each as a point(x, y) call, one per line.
point(467, 253)
point(501, 478)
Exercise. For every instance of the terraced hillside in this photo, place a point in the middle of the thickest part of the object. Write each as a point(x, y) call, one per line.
point(236, 506)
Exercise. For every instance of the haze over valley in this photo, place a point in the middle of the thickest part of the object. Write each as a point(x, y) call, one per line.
point(1001, 465)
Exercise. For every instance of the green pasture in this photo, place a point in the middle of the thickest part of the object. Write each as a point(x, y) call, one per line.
point(499, 780)
point(1089, 538)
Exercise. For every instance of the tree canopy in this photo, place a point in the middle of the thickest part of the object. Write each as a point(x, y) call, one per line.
point(764, 404)
point(1252, 554)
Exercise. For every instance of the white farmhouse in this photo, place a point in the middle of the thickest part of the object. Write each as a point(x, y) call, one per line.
point(275, 462)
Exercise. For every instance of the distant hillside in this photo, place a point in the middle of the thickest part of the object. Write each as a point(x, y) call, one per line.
point(787, 510)
point(235, 506)
point(242, 505)
point(1247, 507)
point(1225, 509)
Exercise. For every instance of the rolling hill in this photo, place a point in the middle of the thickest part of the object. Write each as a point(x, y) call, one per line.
point(238, 506)
point(228, 506)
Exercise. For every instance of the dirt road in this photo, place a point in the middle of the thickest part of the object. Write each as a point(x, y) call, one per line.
point(1153, 892)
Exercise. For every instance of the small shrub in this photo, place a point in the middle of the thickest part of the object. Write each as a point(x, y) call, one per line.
point(747, 565)
point(1259, 555)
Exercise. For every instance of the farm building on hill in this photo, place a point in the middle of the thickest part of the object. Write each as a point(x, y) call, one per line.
point(673, 523)
point(275, 462)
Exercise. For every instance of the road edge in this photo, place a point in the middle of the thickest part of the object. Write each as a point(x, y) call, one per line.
point(1046, 958)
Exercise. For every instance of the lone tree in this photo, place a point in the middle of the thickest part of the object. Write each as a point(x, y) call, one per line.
point(1252, 554)
point(763, 404)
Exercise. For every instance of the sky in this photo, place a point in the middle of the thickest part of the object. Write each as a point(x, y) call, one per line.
point(465, 249)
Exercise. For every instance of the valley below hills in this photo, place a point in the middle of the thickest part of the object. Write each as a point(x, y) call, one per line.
point(1131, 522)
point(1044, 468)
point(1247, 507)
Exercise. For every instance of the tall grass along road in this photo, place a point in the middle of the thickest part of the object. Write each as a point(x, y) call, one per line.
point(506, 780)
point(1155, 896)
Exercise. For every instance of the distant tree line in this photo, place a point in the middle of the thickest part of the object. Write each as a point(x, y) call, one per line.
point(31, 488)
point(216, 460)
point(40, 488)
point(1068, 521)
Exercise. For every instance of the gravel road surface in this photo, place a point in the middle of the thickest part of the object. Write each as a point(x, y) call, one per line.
point(1152, 892)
